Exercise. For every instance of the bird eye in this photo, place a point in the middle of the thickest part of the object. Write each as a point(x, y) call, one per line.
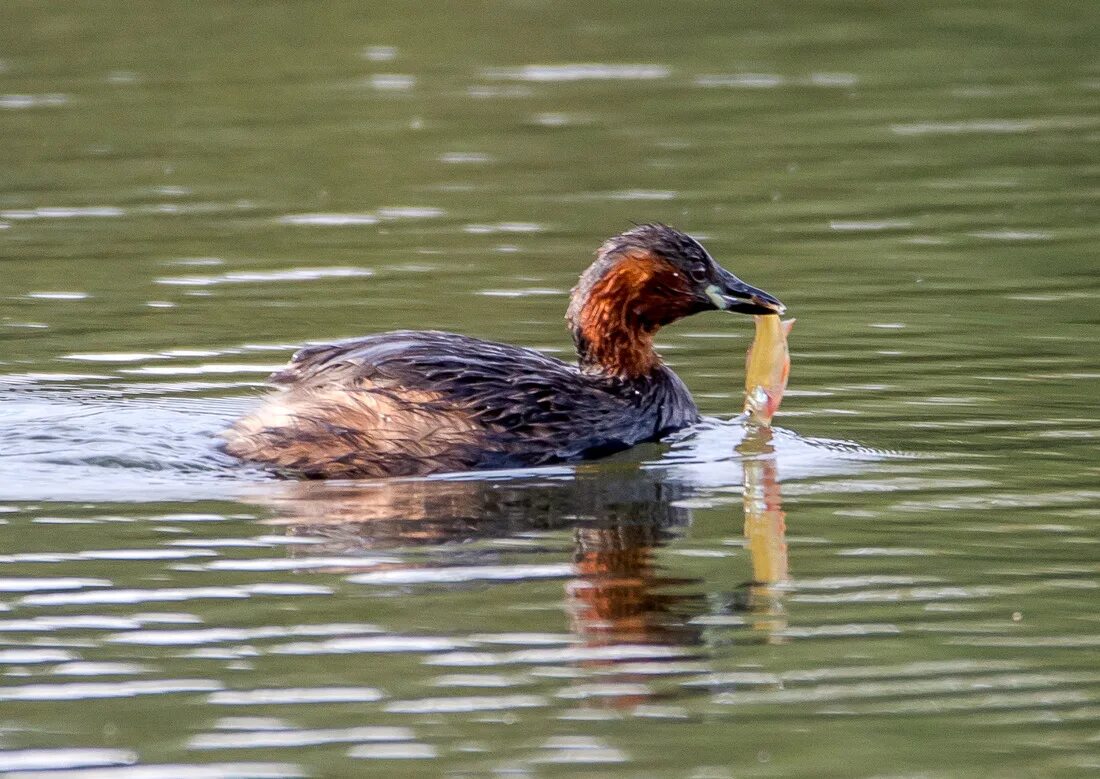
point(698, 273)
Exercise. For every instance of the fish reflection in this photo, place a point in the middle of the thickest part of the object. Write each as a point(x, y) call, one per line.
point(765, 531)
point(619, 515)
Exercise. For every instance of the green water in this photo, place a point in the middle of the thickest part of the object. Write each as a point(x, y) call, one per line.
point(901, 582)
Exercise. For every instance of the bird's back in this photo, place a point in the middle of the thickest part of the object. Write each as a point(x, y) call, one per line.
point(415, 403)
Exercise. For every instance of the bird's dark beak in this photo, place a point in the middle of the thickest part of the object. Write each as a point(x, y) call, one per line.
point(729, 293)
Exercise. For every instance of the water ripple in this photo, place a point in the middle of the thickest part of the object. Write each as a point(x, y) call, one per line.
point(284, 739)
point(64, 212)
point(172, 594)
point(74, 622)
point(221, 635)
point(34, 656)
point(295, 695)
point(258, 277)
point(329, 220)
point(400, 751)
point(54, 759)
point(951, 685)
point(47, 100)
point(60, 583)
point(743, 80)
point(458, 574)
point(89, 690)
point(561, 656)
point(466, 705)
point(994, 126)
point(370, 644)
point(100, 669)
point(578, 750)
point(579, 72)
point(175, 771)
point(297, 564)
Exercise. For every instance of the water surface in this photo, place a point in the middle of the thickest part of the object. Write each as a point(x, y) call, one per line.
point(899, 580)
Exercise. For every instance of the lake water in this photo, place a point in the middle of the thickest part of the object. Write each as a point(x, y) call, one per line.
point(901, 580)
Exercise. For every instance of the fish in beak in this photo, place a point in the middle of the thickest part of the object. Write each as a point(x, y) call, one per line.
point(767, 367)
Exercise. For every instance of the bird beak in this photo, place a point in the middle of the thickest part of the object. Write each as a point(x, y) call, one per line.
point(729, 293)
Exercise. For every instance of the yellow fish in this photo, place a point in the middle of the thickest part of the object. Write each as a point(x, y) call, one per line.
point(767, 366)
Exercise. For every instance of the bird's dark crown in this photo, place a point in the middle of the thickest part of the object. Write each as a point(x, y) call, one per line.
point(668, 243)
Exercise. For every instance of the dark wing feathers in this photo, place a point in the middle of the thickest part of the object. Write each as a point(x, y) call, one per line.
point(502, 405)
point(506, 388)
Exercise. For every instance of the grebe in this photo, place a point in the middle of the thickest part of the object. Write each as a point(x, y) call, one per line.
point(415, 403)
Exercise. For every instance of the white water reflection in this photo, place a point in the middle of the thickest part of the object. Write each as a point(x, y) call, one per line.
point(34, 656)
point(221, 635)
point(63, 212)
point(175, 771)
point(329, 220)
point(76, 691)
point(579, 72)
point(173, 594)
point(255, 277)
point(370, 645)
point(467, 705)
point(100, 669)
point(291, 739)
point(55, 759)
point(400, 751)
point(464, 574)
point(17, 102)
point(287, 695)
point(31, 584)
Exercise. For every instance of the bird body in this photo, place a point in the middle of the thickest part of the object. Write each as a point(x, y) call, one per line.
point(411, 403)
point(420, 402)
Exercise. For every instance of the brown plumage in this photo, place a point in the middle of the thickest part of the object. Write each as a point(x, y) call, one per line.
point(415, 403)
point(323, 430)
point(640, 293)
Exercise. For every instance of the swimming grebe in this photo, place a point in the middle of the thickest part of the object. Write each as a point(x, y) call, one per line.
point(414, 403)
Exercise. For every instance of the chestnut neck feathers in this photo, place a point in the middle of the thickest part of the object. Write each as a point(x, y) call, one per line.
point(625, 296)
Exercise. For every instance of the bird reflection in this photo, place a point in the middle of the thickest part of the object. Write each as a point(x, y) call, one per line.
point(620, 594)
point(619, 514)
